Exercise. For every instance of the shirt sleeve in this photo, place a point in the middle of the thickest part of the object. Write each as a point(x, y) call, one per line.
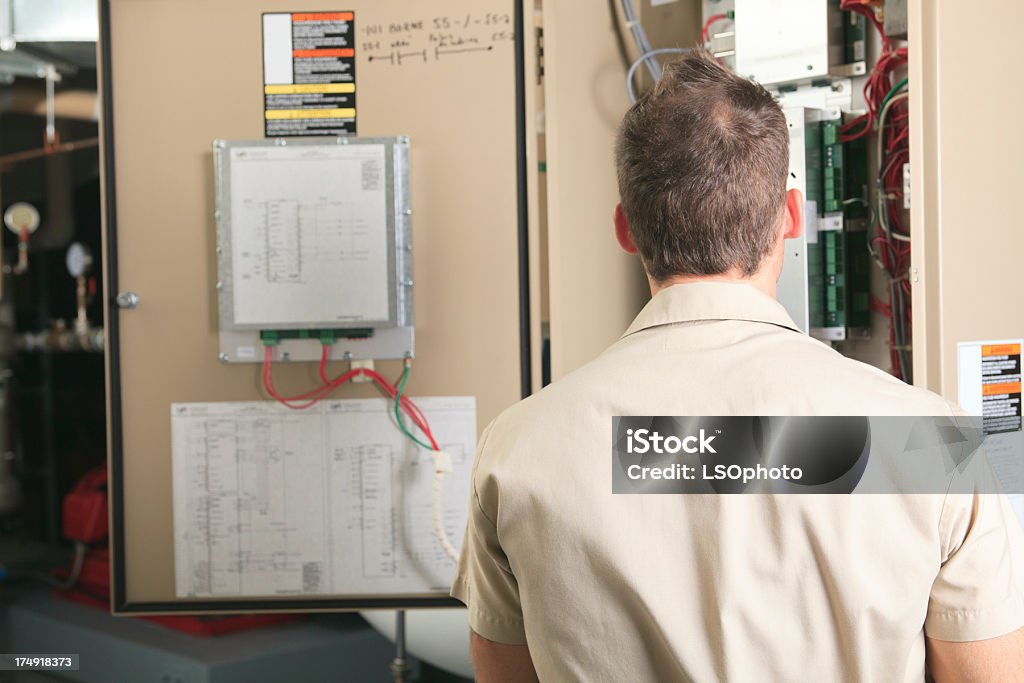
point(483, 580)
point(979, 591)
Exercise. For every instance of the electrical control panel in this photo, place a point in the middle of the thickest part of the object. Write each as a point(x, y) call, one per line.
point(314, 248)
point(825, 282)
point(795, 41)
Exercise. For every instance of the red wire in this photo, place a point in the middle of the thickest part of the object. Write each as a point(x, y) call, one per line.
point(314, 396)
point(324, 352)
point(893, 255)
point(704, 33)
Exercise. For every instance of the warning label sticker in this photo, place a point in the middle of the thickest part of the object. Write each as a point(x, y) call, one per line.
point(309, 74)
point(1001, 387)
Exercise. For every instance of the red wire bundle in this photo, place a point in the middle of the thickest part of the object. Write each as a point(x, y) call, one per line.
point(878, 85)
point(893, 253)
point(314, 396)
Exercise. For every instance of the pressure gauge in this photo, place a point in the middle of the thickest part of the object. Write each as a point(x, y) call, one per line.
point(78, 259)
point(21, 217)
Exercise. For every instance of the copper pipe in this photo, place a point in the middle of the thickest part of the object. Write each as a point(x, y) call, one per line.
point(58, 340)
point(8, 160)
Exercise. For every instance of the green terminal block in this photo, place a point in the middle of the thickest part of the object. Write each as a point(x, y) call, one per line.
point(833, 189)
point(324, 336)
point(833, 246)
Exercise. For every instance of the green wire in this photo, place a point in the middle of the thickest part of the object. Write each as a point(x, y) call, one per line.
point(896, 88)
point(398, 410)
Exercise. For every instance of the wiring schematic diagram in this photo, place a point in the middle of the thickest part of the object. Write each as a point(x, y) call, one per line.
point(334, 500)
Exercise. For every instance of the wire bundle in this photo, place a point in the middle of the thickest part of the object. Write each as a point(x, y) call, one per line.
point(888, 118)
point(402, 404)
point(311, 398)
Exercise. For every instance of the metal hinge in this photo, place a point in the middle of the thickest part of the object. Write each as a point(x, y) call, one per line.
point(540, 54)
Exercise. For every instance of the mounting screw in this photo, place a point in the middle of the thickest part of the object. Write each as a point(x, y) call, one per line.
point(407, 282)
point(220, 286)
point(403, 139)
point(219, 144)
point(408, 212)
point(348, 356)
point(286, 356)
point(280, 142)
point(223, 358)
point(216, 214)
point(344, 141)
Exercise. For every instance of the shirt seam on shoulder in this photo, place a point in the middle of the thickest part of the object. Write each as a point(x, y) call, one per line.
point(476, 496)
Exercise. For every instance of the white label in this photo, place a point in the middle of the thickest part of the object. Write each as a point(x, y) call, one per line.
point(811, 221)
point(277, 49)
point(245, 352)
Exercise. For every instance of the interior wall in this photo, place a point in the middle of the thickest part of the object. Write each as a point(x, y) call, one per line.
point(185, 72)
point(594, 288)
point(964, 186)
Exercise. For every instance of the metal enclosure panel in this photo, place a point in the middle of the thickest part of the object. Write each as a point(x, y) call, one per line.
point(791, 289)
point(399, 243)
point(166, 106)
point(51, 20)
point(393, 338)
point(782, 41)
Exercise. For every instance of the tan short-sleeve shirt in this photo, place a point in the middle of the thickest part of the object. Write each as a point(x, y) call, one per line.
point(607, 587)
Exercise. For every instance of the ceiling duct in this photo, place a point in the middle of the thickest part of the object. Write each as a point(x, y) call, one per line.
point(38, 34)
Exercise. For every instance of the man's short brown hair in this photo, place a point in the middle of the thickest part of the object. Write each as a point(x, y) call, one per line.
point(702, 165)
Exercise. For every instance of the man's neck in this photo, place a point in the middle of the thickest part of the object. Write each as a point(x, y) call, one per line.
point(761, 280)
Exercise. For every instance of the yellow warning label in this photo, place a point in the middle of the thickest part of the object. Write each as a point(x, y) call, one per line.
point(309, 88)
point(277, 114)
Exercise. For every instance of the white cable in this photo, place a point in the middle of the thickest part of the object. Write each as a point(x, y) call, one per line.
point(883, 218)
point(438, 508)
point(635, 65)
point(76, 569)
point(640, 38)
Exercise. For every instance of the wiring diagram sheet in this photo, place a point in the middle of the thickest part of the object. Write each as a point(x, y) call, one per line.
point(309, 234)
point(269, 501)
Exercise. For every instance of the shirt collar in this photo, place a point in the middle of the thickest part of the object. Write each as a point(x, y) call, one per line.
point(695, 301)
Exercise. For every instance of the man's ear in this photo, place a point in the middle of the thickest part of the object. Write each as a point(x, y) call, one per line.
point(793, 220)
point(622, 233)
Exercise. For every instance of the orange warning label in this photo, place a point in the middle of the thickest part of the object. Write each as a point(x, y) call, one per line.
point(1000, 350)
point(339, 52)
point(1000, 389)
point(323, 16)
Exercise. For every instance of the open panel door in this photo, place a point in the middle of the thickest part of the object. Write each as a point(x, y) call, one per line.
point(179, 74)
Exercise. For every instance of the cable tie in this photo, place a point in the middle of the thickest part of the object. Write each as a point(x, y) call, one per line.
point(442, 462)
